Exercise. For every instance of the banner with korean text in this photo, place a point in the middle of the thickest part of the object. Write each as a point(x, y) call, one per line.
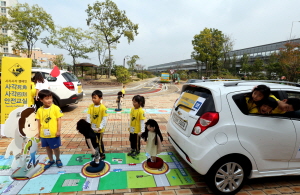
point(15, 84)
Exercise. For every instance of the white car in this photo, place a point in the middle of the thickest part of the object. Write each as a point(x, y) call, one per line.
point(211, 130)
point(66, 88)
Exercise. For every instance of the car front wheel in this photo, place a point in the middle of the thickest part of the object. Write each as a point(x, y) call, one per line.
point(227, 177)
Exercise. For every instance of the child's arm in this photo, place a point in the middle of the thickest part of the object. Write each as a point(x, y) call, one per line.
point(142, 124)
point(159, 145)
point(91, 146)
point(88, 118)
point(58, 127)
point(103, 122)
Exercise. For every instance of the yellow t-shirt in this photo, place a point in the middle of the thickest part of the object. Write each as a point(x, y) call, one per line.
point(32, 94)
point(48, 119)
point(123, 91)
point(136, 115)
point(255, 110)
point(97, 113)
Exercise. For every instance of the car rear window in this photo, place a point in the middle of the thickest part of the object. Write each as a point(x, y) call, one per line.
point(69, 77)
point(208, 105)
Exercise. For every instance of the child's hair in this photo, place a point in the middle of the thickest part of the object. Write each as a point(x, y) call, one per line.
point(152, 123)
point(97, 93)
point(39, 77)
point(44, 93)
point(265, 90)
point(84, 127)
point(270, 102)
point(295, 102)
point(124, 86)
point(139, 99)
point(24, 114)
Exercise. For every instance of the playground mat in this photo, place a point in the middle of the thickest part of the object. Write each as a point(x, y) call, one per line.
point(120, 172)
point(127, 111)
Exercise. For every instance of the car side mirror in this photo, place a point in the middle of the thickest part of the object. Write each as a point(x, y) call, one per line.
point(51, 79)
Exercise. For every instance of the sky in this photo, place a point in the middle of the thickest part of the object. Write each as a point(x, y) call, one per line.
point(167, 27)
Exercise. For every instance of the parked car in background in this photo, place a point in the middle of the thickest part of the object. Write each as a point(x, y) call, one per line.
point(66, 88)
point(213, 132)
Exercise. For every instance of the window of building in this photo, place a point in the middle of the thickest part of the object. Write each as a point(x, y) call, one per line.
point(4, 30)
point(3, 10)
point(6, 44)
point(3, 3)
point(5, 50)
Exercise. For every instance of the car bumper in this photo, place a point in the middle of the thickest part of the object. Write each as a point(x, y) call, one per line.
point(199, 154)
point(74, 99)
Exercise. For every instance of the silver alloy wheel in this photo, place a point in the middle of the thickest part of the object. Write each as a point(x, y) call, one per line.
point(229, 177)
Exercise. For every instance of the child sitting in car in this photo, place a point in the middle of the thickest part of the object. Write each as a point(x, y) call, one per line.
point(266, 106)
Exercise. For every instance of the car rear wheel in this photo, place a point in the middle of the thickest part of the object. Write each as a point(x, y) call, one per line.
point(227, 176)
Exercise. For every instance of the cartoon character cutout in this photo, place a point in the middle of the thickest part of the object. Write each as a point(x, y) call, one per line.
point(28, 128)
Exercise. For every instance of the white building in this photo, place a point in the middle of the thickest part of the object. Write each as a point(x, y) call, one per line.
point(6, 49)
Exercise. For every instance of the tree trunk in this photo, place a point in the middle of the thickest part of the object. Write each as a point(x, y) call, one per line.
point(74, 66)
point(109, 61)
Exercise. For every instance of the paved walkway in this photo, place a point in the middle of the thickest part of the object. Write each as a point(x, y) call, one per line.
point(116, 140)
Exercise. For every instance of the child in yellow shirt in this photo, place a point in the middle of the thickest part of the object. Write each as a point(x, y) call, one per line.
point(97, 117)
point(137, 124)
point(49, 126)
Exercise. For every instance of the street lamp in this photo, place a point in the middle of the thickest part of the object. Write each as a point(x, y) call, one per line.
point(292, 29)
point(126, 57)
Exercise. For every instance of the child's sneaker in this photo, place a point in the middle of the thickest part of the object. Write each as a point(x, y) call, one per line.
point(102, 157)
point(130, 153)
point(135, 153)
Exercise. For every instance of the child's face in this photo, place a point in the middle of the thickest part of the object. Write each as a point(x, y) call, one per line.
point(150, 128)
point(96, 99)
point(47, 101)
point(265, 109)
point(135, 104)
point(31, 126)
point(284, 106)
point(257, 96)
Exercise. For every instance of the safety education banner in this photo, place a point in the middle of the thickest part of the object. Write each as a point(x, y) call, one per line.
point(15, 84)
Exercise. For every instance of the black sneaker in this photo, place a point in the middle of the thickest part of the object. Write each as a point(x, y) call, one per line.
point(130, 153)
point(103, 157)
point(137, 152)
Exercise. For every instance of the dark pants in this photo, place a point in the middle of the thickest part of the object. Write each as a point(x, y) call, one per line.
point(101, 145)
point(135, 141)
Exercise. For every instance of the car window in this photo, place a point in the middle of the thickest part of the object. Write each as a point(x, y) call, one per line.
point(240, 100)
point(208, 105)
point(45, 75)
point(69, 77)
point(292, 94)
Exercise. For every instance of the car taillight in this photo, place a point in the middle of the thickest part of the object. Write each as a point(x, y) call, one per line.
point(207, 120)
point(69, 85)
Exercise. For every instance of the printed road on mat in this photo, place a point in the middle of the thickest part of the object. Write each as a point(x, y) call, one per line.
point(121, 172)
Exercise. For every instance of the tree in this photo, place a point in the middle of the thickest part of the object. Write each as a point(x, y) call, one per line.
point(289, 60)
point(227, 47)
point(59, 61)
point(233, 65)
point(74, 40)
point(122, 74)
point(27, 23)
point(112, 22)
point(208, 46)
point(132, 63)
point(244, 63)
point(100, 45)
point(273, 68)
point(256, 69)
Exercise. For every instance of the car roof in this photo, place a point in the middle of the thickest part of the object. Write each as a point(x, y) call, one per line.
point(48, 70)
point(233, 86)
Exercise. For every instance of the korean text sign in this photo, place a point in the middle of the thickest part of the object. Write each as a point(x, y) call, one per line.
point(15, 84)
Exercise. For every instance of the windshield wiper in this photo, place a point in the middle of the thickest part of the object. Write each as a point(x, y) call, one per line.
point(183, 106)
